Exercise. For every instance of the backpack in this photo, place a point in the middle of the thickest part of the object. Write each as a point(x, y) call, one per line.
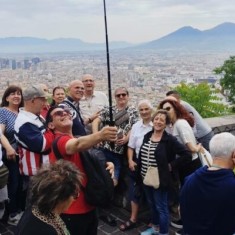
point(100, 188)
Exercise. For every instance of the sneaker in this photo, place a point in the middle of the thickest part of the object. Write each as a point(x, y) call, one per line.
point(13, 220)
point(180, 232)
point(149, 231)
point(177, 223)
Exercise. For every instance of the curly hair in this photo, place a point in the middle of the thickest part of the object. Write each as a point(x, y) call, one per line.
point(48, 116)
point(53, 184)
point(7, 92)
point(180, 111)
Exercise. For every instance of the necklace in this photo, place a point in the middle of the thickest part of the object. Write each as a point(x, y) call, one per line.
point(89, 100)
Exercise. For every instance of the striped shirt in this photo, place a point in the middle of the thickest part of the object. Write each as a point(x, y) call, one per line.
point(147, 156)
point(34, 141)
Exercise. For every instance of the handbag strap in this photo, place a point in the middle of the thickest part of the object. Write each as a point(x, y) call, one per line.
point(149, 147)
point(207, 161)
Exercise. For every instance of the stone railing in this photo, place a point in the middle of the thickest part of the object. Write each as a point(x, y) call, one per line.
point(222, 124)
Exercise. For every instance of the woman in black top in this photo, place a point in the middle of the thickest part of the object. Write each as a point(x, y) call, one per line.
point(54, 188)
point(159, 150)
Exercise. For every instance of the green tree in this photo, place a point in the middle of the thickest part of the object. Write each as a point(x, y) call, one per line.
point(227, 70)
point(203, 98)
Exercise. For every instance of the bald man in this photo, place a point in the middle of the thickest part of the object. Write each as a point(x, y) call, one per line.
point(75, 94)
point(92, 102)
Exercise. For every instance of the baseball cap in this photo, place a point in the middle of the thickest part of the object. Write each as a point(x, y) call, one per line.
point(34, 91)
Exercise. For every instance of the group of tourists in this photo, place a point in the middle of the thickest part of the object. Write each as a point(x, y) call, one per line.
point(161, 145)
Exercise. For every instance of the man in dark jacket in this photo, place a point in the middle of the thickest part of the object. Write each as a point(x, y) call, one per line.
point(207, 197)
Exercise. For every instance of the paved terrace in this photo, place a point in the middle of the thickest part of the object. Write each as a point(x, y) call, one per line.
point(219, 124)
point(119, 213)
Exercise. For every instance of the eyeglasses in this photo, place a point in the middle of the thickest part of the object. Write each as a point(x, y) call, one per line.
point(61, 113)
point(122, 94)
point(89, 80)
point(167, 108)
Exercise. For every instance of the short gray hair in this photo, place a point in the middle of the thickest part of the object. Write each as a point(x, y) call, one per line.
point(222, 145)
point(147, 102)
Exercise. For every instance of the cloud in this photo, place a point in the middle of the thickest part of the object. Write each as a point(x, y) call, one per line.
point(130, 20)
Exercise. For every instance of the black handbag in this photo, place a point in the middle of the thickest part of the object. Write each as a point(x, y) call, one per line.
point(4, 173)
point(121, 117)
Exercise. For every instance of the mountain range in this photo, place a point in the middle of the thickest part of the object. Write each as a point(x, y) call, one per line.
point(219, 38)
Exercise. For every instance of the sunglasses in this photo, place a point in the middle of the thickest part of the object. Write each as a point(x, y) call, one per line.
point(167, 108)
point(61, 113)
point(122, 94)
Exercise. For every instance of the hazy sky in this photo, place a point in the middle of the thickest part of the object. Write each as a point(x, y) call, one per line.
point(128, 20)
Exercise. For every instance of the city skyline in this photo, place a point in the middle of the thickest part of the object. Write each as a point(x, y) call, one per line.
point(133, 21)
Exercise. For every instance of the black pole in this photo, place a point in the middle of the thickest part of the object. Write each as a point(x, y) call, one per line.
point(108, 67)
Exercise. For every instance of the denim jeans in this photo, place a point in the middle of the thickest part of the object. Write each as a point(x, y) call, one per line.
point(158, 203)
point(14, 182)
point(115, 158)
point(205, 140)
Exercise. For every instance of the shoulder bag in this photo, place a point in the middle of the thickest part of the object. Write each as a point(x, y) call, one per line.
point(205, 158)
point(152, 176)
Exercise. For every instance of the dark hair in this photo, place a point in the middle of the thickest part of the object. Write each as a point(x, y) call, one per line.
point(7, 92)
point(48, 116)
point(164, 112)
point(53, 93)
point(55, 183)
point(180, 111)
point(173, 92)
point(123, 88)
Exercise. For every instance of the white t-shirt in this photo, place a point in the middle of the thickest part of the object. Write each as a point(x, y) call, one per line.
point(138, 131)
point(89, 106)
point(184, 134)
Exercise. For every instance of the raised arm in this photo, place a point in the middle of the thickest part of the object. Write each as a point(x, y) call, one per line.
point(85, 142)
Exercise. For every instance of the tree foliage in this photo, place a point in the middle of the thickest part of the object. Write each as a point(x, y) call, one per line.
point(227, 70)
point(203, 98)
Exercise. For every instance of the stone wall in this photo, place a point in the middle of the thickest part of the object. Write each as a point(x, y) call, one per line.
point(222, 124)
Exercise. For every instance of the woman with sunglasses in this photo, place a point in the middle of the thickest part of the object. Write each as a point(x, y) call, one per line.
point(124, 117)
point(182, 123)
point(54, 188)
